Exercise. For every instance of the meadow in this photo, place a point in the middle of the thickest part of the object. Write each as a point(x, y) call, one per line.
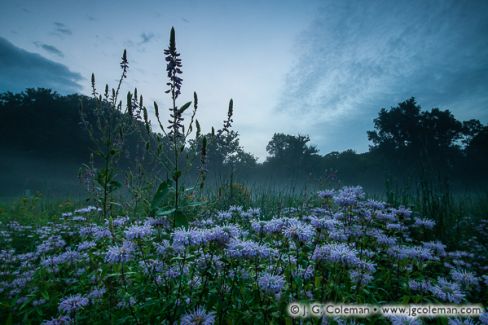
point(160, 245)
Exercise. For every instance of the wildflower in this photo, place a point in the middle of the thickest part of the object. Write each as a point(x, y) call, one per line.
point(138, 232)
point(126, 303)
point(88, 209)
point(426, 223)
point(173, 66)
point(402, 212)
point(404, 320)
point(375, 205)
point(86, 245)
point(326, 194)
point(249, 249)
point(119, 221)
point(61, 320)
point(423, 286)
point(484, 318)
point(258, 226)
point(163, 248)
point(348, 195)
point(73, 303)
point(383, 239)
point(297, 230)
point(96, 293)
point(336, 253)
point(396, 227)
point(184, 238)
point(447, 291)
point(198, 317)
point(360, 278)
point(460, 321)
point(120, 254)
point(274, 226)
point(305, 274)
point(270, 283)
point(436, 247)
point(386, 216)
point(151, 266)
point(224, 215)
point(235, 208)
point(464, 277)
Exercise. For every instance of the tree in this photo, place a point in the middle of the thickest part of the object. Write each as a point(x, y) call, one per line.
point(424, 140)
point(291, 154)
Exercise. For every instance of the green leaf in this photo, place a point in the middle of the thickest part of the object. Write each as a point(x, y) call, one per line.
point(193, 204)
point(160, 196)
point(161, 212)
point(184, 108)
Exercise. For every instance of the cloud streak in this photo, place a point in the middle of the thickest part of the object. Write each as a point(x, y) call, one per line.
point(359, 56)
point(146, 38)
point(50, 48)
point(62, 29)
point(20, 69)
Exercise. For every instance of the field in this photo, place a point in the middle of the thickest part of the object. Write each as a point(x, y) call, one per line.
point(153, 218)
point(236, 265)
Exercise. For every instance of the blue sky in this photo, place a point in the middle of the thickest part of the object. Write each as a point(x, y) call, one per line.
point(322, 68)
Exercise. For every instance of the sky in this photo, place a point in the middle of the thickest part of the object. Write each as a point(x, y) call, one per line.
point(319, 68)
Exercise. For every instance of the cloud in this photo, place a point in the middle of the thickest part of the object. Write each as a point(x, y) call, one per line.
point(20, 69)
point(357, 57)
point(62, 29)
point(50, 48)
point(146, 38)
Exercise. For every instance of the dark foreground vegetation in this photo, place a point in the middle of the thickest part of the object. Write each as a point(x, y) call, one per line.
point(166, 223)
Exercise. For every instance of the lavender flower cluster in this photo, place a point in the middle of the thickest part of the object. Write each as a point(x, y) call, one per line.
point(232, 265)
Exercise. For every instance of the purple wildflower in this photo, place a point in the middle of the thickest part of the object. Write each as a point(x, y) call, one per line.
point(61, 320)
point(270, 283)
point(336, 253)
point(447, 291)
point(404, 320)
point(198, 317)
point(426, 223)
point(464, 277)
point(297, 230)
point(86, 245)
point(422, 286)
point(326, 194)
point(138, 232)
point(73, 303)
point(96, 293)
point(120, 254)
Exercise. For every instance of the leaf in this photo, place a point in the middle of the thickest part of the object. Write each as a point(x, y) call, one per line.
point(193, 204)
point(161, 194)
point(161, 212)
point(184, 108)
point(114, 185)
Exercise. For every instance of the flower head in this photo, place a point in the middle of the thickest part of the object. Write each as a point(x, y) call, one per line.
point(198, 317)
point(73, 303)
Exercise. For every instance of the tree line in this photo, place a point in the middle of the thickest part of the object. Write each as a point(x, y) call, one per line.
point(407, 143)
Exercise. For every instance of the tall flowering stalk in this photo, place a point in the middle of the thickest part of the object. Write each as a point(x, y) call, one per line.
point(177, 137)
point(107, 133)
point(173, 69)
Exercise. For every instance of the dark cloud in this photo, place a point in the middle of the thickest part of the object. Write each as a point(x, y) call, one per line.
point(62, 29)
point(357, 57)
point(50, 48)
point(146, 37)
point(20, 69)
